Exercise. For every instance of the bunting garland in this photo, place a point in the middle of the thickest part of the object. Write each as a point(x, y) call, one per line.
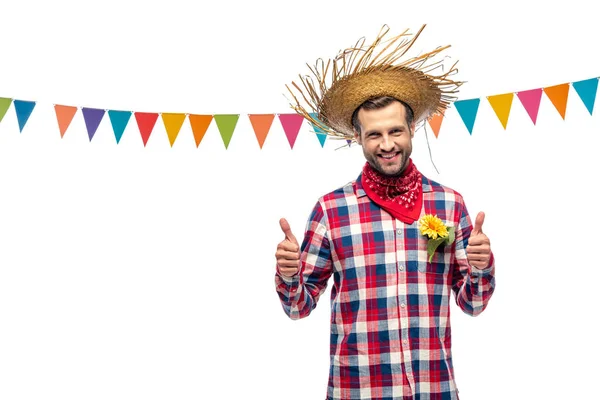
point(291, 123)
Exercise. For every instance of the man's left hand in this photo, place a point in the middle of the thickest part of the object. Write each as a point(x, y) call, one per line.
point(478, 249)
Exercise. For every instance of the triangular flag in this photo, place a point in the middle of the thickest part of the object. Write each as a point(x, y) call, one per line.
point(435, 122)
point(531, 102)
point(64, 116)
point(226, 124)
point(558, 95)
point(586, 90)
point(119, 121)
point(92, 118)
point(173, 123)
point(321, 135)
point(261, 123)
point(291, 124)
point(146, 122)
point(4, 105)
point(23, 109)
point(199, 124)
point(467, 109)
point(501, 103)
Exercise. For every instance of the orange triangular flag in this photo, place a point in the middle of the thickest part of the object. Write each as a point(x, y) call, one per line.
point(435, 122)
point(64, 116)
point(558, 95)
point(261, 124)
point(173, 123)
point(501, 103)
point(199, 124)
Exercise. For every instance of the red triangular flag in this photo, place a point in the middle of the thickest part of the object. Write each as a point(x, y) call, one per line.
point(146, 122)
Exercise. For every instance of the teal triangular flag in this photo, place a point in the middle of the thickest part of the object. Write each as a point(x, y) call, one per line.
point(321, 135)
point(586, 90)
point(467, 109)
point(24, 109)
point(119, 120)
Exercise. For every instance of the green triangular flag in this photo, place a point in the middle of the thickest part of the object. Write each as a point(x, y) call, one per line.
point(226, 124)
point(4, 105)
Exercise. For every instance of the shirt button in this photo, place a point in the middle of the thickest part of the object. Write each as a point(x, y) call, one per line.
point(405, 341)
point(402, 305)
point(401, 267)
point(399, 232)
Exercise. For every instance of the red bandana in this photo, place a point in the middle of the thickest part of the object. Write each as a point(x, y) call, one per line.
point(401, 196)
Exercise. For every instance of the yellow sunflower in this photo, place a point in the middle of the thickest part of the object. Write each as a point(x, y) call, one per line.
point(432, 227)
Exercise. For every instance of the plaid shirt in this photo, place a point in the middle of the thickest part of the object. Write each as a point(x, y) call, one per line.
point(390, 307)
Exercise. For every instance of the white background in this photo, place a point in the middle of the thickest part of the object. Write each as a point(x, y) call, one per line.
point(147, 273)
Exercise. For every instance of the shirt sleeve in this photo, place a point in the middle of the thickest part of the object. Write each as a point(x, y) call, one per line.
point(473, 287)
point(299, 294)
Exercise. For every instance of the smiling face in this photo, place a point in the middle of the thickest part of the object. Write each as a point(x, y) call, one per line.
point(386, 137)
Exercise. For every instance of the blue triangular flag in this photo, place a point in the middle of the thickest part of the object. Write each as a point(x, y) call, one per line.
point(321, 135)
point(24, 110)
point(586, 90)
point(467, 109)
point(92, 118)
point(119, 120)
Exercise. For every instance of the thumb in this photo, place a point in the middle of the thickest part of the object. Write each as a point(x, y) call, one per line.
point(478, 223)
point(287, 231)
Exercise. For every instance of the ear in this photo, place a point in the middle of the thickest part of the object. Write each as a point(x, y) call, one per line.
point(357, 137)
point(412, 130)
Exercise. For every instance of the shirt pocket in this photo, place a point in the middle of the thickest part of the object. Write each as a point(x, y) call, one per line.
point(441, 259)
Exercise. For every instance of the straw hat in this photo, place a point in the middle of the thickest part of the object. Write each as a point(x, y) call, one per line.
point(336, 89)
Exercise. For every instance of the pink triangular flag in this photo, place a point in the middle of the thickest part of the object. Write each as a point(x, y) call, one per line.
point(531, 102)
point(291, 124)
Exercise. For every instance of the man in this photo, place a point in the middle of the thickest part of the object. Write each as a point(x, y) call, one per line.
point(390, 323)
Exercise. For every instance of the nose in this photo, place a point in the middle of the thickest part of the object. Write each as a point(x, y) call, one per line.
point(386, 143)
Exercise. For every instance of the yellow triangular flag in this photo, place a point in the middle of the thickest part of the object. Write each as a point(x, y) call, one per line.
point(173, 123)
point(501, 103)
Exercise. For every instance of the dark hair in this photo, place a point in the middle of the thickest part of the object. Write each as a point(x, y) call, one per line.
point(376, 103)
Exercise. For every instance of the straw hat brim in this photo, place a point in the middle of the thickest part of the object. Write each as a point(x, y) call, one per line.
point(337, 88)
point(409, 85)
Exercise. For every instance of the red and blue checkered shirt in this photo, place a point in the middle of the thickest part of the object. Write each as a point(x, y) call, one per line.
point(390, 321)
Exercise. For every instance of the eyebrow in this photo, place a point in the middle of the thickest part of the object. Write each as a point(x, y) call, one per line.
point(394, 128)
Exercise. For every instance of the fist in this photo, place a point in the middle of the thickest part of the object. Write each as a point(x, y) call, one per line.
point(478, 248)
point(288, 251)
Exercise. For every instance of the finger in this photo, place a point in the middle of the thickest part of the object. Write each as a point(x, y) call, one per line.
point(288, 263)
point(479, 265)
point(477, 246)
point(285, 227)
point(288, 271)
point(478, 223)
point(478, 240)
point(286, 245)
point(478, 257)
point(287, 255)
point(479, 249)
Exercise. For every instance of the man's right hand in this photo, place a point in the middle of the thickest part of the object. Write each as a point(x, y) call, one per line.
point(288, 251)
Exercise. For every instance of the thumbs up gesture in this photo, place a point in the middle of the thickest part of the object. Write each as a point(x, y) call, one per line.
point(288, 251)
point(478, 248)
